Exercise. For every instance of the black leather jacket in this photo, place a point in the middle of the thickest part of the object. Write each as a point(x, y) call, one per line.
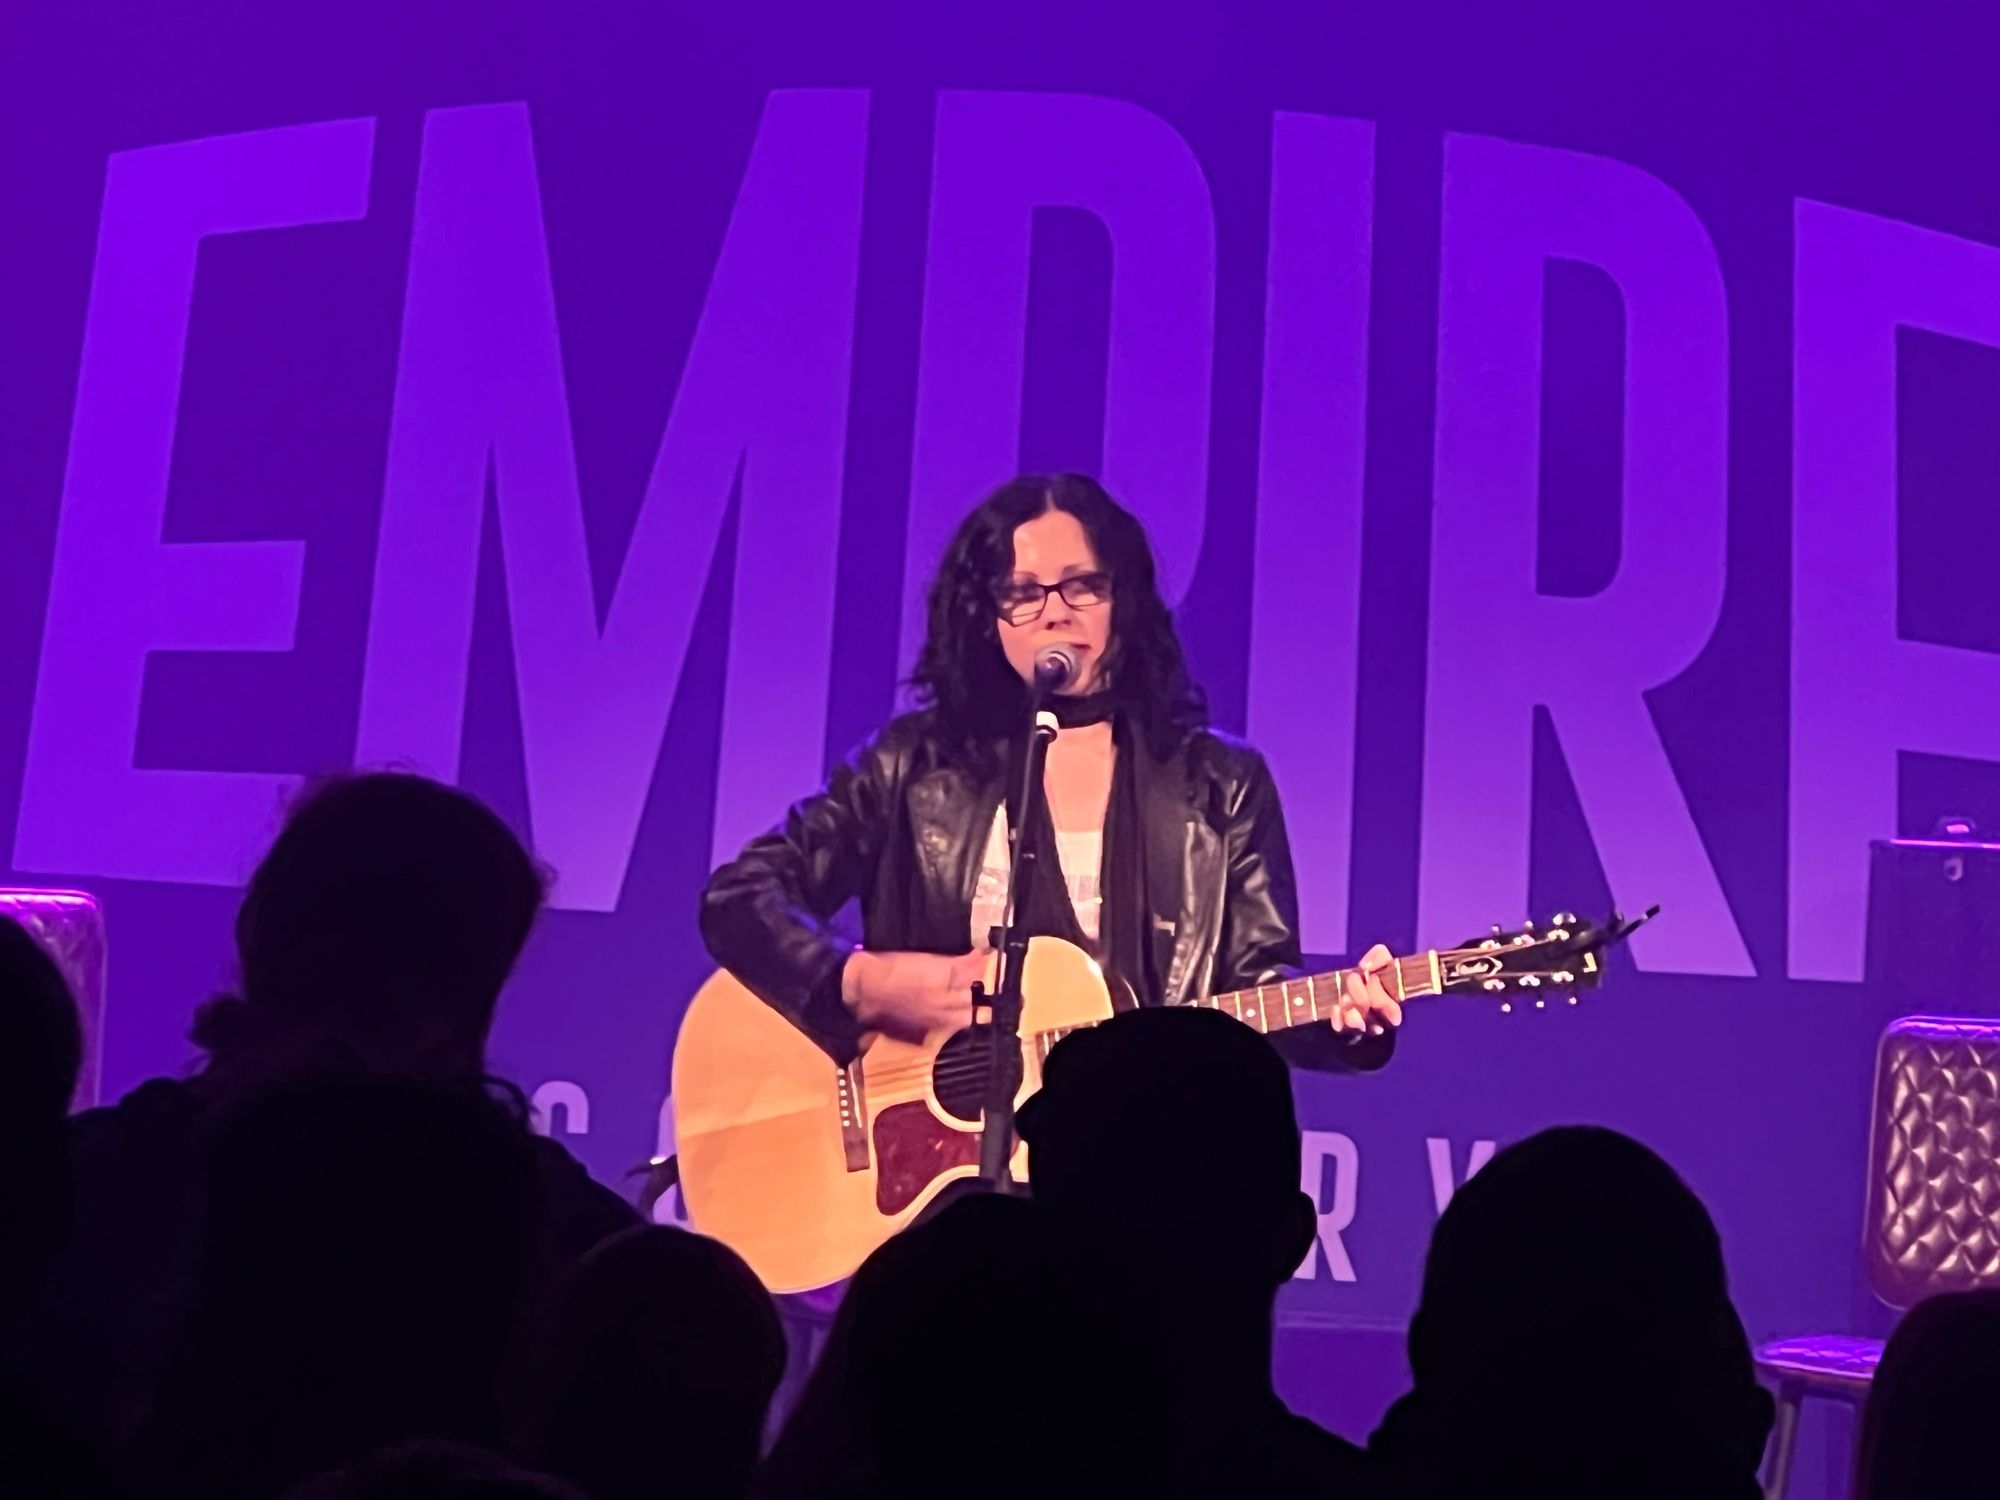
point(903, 830)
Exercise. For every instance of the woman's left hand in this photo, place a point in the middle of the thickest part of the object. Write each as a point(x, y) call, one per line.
point(1365, 1005)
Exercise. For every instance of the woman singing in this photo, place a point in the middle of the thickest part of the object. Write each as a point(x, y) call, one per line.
point(1160, 845)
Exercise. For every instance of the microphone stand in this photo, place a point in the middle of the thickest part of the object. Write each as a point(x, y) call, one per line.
point(996, 1139)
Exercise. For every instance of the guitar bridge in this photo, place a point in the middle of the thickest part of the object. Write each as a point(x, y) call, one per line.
point(853, 1124)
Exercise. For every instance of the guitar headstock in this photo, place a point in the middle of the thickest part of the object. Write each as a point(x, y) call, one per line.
point(1551, 964)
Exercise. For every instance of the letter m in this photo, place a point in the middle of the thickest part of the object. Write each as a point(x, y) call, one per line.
point(759, 419)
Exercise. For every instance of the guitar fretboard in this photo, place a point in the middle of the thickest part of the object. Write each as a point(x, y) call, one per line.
point(1282, 1004)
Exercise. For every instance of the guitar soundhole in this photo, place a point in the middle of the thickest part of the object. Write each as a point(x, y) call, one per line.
point(962, 1072)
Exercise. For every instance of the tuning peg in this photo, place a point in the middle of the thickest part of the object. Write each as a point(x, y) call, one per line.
point(1541, 1005)
point(1562, 977)
point(1565, 919)
point(1572, 999)
point(1496, 929)
point(1529, 924)
point(1506, 1007)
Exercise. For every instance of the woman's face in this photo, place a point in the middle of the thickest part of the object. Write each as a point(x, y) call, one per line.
point(1051, 549)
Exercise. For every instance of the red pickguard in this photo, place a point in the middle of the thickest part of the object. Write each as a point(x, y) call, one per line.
point(912, 1149)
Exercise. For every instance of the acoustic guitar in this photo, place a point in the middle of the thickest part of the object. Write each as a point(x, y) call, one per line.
point(804, 1166)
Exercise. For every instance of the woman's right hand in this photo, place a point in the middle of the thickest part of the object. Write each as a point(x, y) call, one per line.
point(911, 996)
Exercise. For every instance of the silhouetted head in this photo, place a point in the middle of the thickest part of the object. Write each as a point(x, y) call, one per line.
point(987, 1319)
point(1177, 1120)
point(1927, 1427)
point(658, 1369)
point(1575, 1252)
point(434, 1469)
point(41, 1053)
point(985, 623)
point(361, 1274)
point(377, 932)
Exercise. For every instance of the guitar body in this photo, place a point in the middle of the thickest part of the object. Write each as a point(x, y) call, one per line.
point(803, 1167)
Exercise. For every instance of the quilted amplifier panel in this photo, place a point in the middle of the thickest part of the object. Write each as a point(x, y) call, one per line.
point(70, 924)
point(1934, 1173)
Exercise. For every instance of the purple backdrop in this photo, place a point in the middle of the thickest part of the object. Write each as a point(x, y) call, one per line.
point(1565, 437)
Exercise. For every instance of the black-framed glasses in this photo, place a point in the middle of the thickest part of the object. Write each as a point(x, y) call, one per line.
point(1021, 601)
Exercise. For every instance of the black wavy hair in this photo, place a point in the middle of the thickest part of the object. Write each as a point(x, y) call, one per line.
point(962, 676)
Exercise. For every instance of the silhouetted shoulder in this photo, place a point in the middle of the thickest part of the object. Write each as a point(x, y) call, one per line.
point(139, 1151)
point(98, 1330)
point(580, 1211)
point(153, 1104)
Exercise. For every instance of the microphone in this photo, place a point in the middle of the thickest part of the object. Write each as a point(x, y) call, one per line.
point(1055, 669)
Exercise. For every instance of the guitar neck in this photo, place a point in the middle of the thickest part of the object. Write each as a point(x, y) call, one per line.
point(1282, 1004)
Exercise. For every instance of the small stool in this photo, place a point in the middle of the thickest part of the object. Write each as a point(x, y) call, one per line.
point(1934, 1156)
point(70, 925)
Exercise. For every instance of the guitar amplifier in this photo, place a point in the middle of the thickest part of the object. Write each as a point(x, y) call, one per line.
point(1934, 924)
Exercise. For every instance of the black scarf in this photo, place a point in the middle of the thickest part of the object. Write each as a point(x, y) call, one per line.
point(1124, 942)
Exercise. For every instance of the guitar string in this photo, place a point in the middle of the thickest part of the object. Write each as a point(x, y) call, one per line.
point(954, 1071)
point(1287, 1013)
point(926, 1070)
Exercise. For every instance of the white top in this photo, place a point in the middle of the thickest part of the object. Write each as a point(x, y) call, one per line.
point(1082, 858)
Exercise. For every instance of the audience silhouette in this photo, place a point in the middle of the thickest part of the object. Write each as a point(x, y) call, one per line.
point(335, 1263)
point(1167, 1138)
point(655, 1371)
point(1925, 1430)
point(374, 938)
point(974, 1356)
point(363, 1269)
point(1575, 1251)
